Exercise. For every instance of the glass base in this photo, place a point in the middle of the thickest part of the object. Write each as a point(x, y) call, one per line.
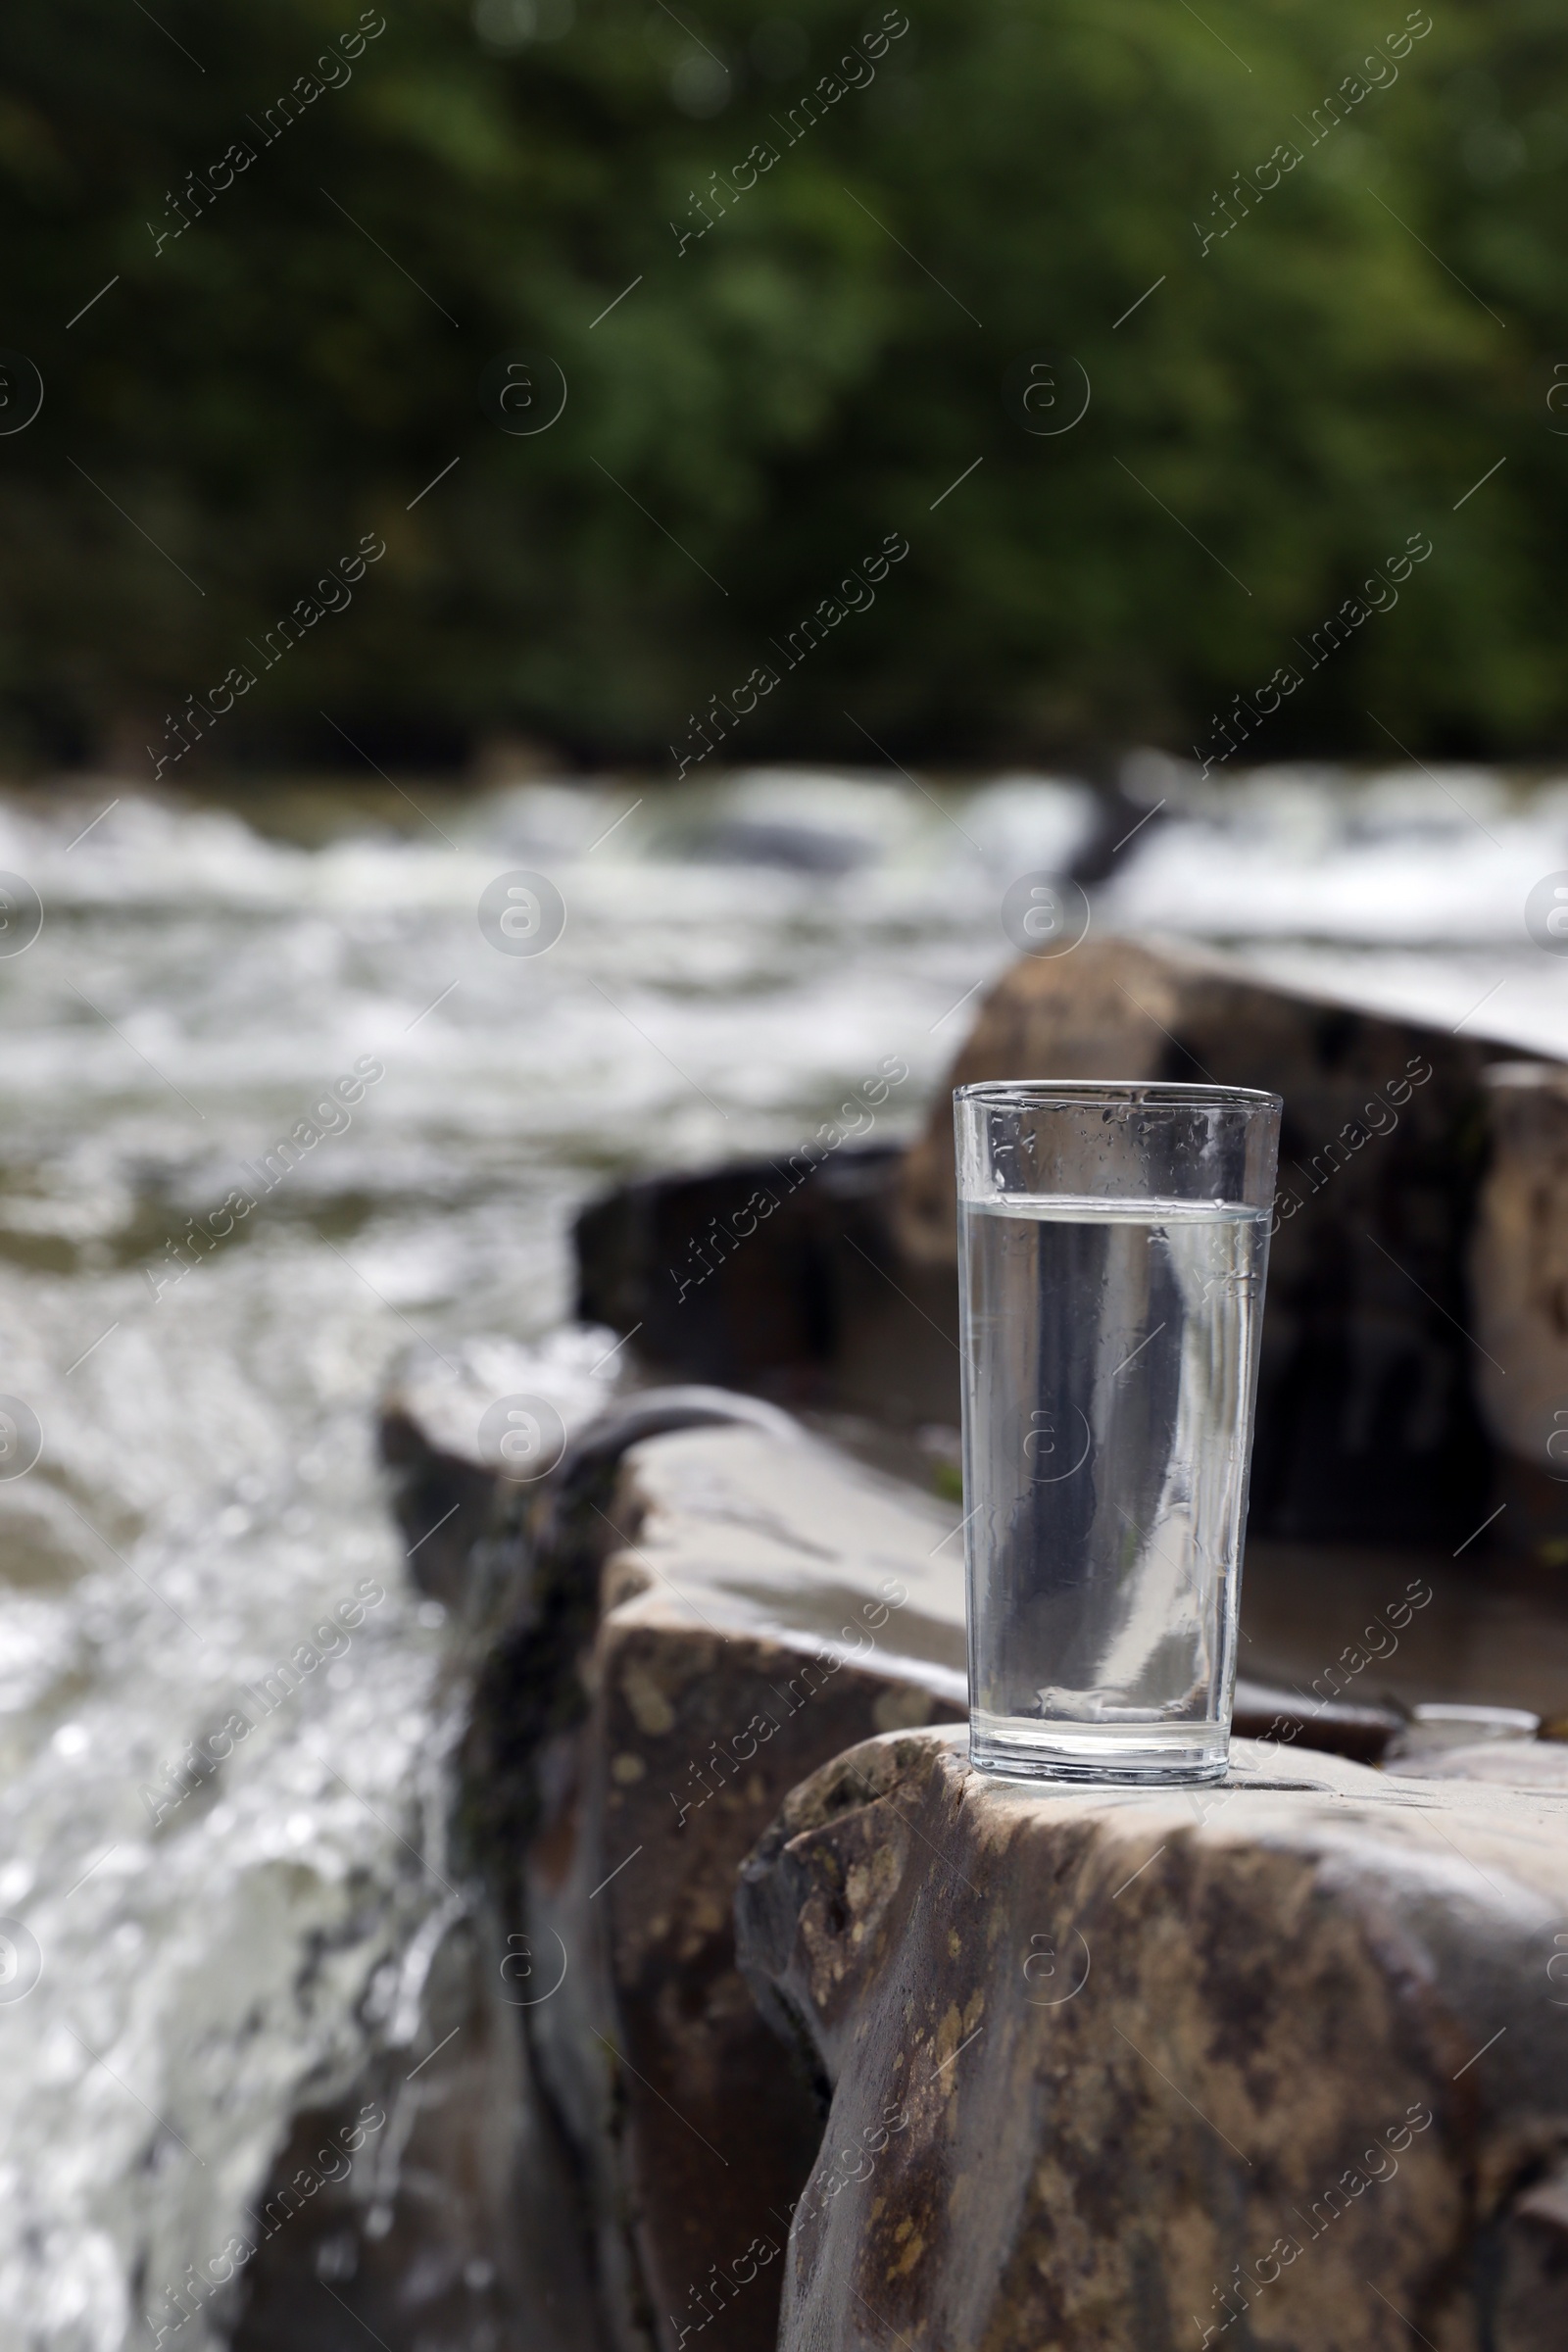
point(1017, 1748)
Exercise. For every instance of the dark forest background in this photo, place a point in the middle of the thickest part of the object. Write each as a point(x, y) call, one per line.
point(1300, 395)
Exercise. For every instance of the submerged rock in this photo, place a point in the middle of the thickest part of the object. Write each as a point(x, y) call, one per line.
point(434, 2204)
point(1116, 2068)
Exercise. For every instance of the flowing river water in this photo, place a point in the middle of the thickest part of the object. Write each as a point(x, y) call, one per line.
point(178, 1977)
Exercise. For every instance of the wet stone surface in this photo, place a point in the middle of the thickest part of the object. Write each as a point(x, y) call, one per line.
point(762, 1603)
point(1115, 2068)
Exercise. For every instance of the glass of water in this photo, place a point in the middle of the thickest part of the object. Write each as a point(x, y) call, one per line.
point(1113, 1240)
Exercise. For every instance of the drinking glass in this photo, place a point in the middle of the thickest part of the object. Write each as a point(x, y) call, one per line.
point(1113, 1243)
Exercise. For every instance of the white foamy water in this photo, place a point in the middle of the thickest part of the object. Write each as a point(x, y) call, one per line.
point(207, 1492)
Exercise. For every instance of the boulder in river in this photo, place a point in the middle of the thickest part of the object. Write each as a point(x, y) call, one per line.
point(677, 1627)
point(1404, 1278)
point(697, 1617)
point(1134, 2068)
point(1367, 1422)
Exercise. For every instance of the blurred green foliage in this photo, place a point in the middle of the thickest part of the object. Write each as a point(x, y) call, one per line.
point(775, 396)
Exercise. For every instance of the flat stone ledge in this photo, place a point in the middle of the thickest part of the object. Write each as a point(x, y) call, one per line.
point(1285, 2059)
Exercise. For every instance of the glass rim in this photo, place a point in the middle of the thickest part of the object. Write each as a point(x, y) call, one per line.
point(1045, 1094)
